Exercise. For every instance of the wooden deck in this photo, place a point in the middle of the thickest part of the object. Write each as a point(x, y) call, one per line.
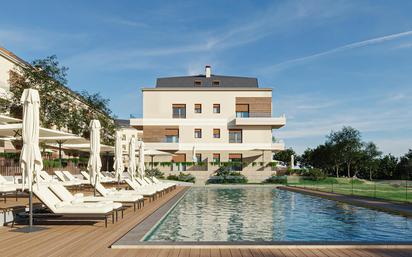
point(95, 240)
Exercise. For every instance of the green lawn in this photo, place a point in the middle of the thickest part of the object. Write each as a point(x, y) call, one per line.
point(382, 190)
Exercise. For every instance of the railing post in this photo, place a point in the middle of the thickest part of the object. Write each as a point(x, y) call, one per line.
point(406, 186)
point(332, 186)
point(352, 185)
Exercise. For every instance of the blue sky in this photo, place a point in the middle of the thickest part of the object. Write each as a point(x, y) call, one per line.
point(330, 63)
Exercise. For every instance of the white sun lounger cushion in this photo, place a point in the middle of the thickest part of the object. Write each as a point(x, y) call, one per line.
point(140, 189)
point(65, 195)
point(6, 188)
point(115, 198)
point(57, 206)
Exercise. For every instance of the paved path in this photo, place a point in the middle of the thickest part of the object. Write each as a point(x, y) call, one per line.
point(397, 208)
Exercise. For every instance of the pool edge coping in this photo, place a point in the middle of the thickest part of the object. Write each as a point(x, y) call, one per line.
point(148, 224)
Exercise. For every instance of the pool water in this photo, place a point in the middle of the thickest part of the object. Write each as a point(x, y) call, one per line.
point(268, 214)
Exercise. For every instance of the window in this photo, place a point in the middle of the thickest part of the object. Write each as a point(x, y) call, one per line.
point(236, 161)
point(172, 135)
point(242, 110)
point(178, 162)
point(198, 157)
point(124, 137)
point(198, 108)
point(124, 147)
point(198, 133)
point(179, 111)
point(216, 83)
point(216, 133)
point(216, 108)
point(235, 136)
point(197, 83)
point(216, 157)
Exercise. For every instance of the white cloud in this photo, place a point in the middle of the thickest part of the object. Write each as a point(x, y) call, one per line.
point(364, 43)
point(126, 22)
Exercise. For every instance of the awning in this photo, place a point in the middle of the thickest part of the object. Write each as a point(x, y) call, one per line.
point(14, 130)
point(7, 119)
point(86, 147)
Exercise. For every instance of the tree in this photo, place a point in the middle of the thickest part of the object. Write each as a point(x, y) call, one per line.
point(57, 108)
point(387, 166)
point(285, 155)
point(47, 77)
point(348, 141)
point(404, 166)
point(96, 101)
point(371, 161)
point(306, 158)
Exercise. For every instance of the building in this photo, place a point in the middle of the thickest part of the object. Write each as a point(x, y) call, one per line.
point(217, 118)
point(127, 133)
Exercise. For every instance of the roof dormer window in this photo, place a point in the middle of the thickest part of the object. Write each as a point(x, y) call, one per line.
point(198, 83)
point(216, 83)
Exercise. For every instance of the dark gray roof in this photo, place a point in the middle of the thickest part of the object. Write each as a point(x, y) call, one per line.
point(224, 81)
point(122, 123)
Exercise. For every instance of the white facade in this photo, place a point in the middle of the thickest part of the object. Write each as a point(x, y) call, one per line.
point(201, 123)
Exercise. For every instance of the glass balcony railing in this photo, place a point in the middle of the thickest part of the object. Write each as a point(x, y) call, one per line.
point(172, 139)
point(253, 115)
point(242, 114)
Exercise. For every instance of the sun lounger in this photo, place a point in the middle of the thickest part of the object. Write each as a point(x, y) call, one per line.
point(47, 178)
point(9, 184)
point(158, 182)
point(151, 193)
point(150, 182)
point(61, 192)
point(102, 178)
point(60, 176)
point(7, 189)
point(73, 210)
point(160, 189)
point(122, 196)
point(70, 177)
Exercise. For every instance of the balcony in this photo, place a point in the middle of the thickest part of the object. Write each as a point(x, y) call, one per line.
point(253, 120)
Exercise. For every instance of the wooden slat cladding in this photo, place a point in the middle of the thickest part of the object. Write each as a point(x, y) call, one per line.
point(179, 157)
point(153, 134)
point(235, 156)
point(258, 106)
point(172, 132)
point(242, 107)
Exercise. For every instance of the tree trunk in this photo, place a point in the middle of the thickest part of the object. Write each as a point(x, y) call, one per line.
point(370, 174)
point(337, 171)
point(348, 166)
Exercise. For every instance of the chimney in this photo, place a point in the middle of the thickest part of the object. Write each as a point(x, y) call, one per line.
point(208, 71)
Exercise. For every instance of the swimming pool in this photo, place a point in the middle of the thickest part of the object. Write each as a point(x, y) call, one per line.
point(266, 214)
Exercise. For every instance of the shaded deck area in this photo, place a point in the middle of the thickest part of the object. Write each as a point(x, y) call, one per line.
point(93, 239)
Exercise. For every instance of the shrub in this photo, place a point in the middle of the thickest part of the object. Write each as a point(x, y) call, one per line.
point(224, 175)
point(315, 174)
point(277, 180)
point(330, 181)
point(299, 172)
point(155, 173)
point(356, 181)
point(184, 177)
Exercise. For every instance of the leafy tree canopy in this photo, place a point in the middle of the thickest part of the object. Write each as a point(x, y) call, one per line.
point(59, 106)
